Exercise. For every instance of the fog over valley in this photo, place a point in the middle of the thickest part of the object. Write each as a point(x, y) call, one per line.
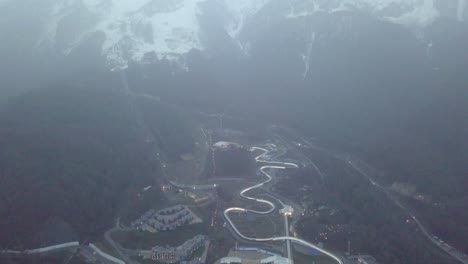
point(233, 131)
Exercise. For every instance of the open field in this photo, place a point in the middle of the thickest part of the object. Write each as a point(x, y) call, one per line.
point(189, 168)
point(258, 226)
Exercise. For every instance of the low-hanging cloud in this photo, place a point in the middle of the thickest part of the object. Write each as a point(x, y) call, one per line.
point(461, 9)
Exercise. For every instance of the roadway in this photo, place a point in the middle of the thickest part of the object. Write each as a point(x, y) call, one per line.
point(115, 245)
point(454, 253)
point(94, 254)
point(288, 242)
point(42, 250)
point(287, 238)
point(89, 252)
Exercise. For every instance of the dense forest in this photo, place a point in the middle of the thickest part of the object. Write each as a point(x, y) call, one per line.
point(354, 210)
point(68, 155)
point(71, 156)
point(168, 126)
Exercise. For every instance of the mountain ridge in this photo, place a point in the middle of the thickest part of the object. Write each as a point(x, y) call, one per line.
point(171, 29)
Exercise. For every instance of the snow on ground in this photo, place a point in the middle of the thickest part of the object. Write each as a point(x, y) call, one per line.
point(414, 13)
point(241, 11)
point(170, 28)
point(134, 28)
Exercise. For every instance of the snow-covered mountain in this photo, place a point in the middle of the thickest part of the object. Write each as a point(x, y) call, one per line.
point(170, 29)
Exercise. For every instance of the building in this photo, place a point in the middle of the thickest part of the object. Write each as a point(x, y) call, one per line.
point(247, 255)
point(231, 260)
point(166, 220)
point(175, 254)
point(287, 210)
point(223, 145)
point(275, 260)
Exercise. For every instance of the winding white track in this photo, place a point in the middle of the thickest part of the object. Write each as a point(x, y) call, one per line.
point(275, 165)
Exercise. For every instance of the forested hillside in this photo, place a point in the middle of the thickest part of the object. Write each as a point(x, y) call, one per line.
point(69, 156)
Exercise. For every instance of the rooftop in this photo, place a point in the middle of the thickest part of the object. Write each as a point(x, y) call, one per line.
point(275, 260)
point(225, 145)
point(287, 210)
point(228, 260)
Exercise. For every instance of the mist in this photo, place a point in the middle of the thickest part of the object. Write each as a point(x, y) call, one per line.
point(179, 130)
point(461, 10)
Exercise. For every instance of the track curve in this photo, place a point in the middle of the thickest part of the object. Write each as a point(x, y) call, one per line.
point(272, 207)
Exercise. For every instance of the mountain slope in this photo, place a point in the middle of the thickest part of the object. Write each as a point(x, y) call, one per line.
point(171, 29)
point(70, 156)
point(385, 80)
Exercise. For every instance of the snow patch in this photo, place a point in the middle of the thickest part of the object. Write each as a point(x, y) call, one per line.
point(461, 10)
point(241, 11)
point(171, 29)
point(306, 55)
point(421, 15)
point(314, 8)
point(132, 33)
point(415, 13)
point(59, 11)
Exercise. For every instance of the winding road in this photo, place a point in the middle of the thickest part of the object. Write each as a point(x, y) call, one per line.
point(42, 250)
point(274, 165)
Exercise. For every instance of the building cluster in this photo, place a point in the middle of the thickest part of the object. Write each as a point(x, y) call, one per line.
point(165, 220)
point(252, 256)
point(223, 145)
point(180, 254)
point(198, 197)
point(166, 187)
point(331, 231)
